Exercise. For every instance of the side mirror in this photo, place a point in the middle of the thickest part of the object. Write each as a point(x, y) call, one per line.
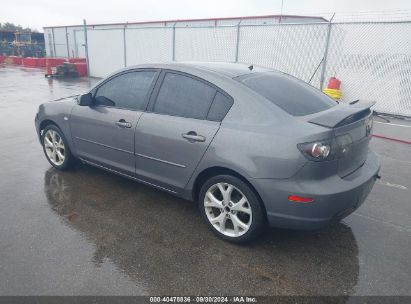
point(86, 100)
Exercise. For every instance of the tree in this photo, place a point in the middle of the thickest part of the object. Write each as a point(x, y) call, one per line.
point(8, 26)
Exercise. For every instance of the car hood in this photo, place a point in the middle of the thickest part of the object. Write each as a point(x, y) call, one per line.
point(65, 99)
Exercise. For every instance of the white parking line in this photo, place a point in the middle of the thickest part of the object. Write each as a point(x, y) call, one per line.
point(393, 185)
point(395, 226)
point(392, 124)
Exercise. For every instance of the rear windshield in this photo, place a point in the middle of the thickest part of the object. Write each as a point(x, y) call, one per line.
point(290, 94)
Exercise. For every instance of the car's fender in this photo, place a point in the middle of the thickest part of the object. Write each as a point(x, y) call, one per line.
point(58, 113)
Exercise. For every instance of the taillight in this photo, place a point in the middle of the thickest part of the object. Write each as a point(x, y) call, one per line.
point(320, 150)
point(327, 149)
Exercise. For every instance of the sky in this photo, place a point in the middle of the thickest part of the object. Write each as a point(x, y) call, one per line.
point(40, 13)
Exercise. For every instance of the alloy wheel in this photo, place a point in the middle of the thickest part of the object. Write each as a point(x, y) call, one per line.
point(54, 147)
point(228, 209)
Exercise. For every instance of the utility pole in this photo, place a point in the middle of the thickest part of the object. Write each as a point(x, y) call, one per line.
point(327, 46)
point(281, 11)
point(86, 46)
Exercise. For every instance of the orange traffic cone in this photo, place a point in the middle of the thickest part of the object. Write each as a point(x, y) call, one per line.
point(333, 89)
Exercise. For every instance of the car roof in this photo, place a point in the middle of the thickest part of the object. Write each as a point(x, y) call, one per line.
point(228, 69)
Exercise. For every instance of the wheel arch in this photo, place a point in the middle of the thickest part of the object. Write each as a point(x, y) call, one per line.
point(44, 124)
point(208, 173)
point(47, 122)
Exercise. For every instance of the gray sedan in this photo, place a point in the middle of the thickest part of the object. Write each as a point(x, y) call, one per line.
point(252, 146)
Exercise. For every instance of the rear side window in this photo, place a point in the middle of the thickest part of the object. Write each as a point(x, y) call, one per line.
point(184, 96)
point(290, 94)
point(220, 107)
point(126, 91)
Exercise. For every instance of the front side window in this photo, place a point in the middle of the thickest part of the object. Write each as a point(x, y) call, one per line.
point(184, 96)
point(127, 91)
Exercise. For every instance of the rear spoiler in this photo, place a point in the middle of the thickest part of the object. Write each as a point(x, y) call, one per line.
point(343, 114)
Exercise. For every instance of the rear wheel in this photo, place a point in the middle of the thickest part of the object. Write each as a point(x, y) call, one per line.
point(231, 209)
point(56, 149)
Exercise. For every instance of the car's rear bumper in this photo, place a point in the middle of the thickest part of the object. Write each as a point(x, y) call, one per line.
point(334, 197)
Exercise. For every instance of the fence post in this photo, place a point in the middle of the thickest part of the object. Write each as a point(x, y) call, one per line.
point(67, 43)
point(174, 41)
point(54, 43)
point(237, 41)
point(75, 42)
point(327, 46)
point(125, 45)
point(86, 46)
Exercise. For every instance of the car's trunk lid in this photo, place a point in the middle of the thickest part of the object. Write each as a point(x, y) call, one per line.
point(352, 124)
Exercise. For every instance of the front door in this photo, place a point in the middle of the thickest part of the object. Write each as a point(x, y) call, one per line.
point(104, 132)
point(105, 136)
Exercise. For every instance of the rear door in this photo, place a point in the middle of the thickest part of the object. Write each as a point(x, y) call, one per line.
point(103, 133)
point(173, 135)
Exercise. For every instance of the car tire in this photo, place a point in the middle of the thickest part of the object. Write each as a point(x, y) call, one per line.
point(231, 209)
point(56, 148)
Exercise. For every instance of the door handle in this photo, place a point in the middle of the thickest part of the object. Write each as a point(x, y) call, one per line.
point(123, 124)
point(193, 137)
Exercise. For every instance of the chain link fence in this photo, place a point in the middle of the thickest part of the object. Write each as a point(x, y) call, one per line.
point(296, 49)
point(372, 59)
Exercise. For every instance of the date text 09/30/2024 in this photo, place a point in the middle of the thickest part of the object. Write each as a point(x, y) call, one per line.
point(207, 299)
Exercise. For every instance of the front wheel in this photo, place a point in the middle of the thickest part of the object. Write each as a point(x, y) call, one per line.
point(231, 209)
point(56, 149)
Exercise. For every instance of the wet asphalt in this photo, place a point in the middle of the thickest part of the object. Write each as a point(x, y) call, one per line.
point(89, 232)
